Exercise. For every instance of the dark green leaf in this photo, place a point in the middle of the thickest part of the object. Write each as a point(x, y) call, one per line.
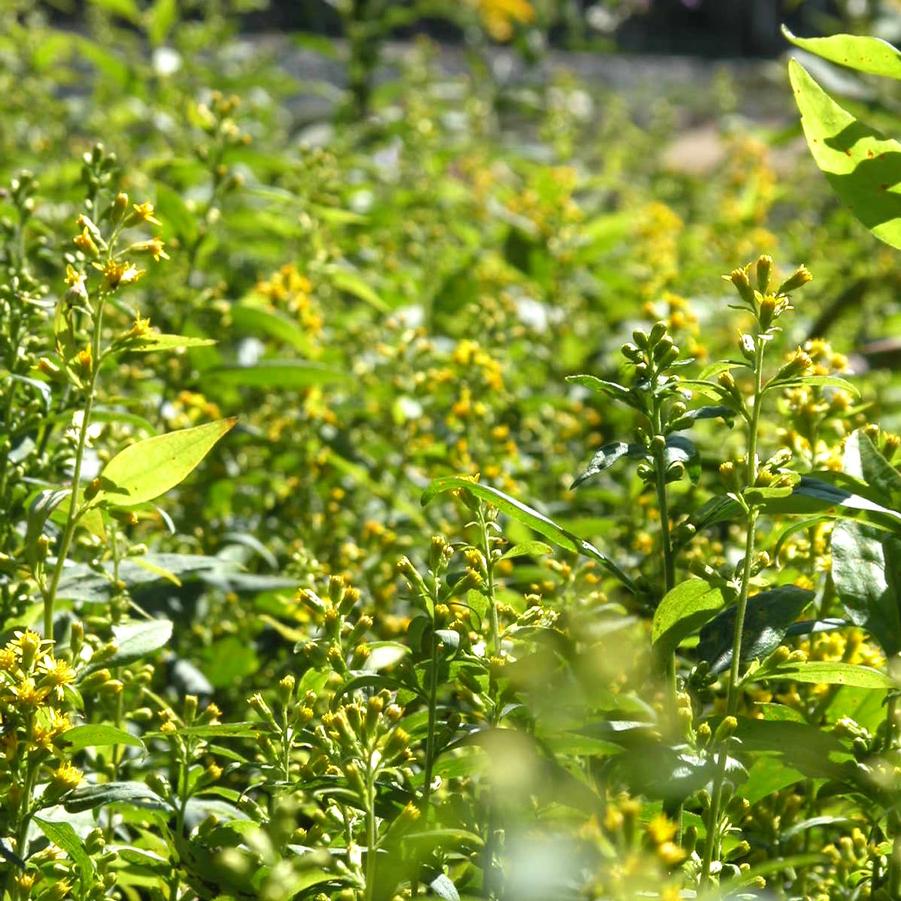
point(769, 616)
point(867, 576)
point(135, 794)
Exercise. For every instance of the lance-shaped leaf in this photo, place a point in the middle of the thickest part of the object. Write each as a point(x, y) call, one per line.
point(826, 672)
point(866, 569)
point(64, 836)
point(149, 468)
point(860, 52)
point(767, 620)
point(160, 341)
point(863, 167)
point(605, 457)
point(528, 516)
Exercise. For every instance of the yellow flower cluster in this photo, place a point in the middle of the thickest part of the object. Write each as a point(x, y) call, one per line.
point(288, 289)
point(500, 17)
point(35, 692)
point(819, 416)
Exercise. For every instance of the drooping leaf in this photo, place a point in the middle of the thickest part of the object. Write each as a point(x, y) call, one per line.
point(604, 458)
point(861, 164)
point(529, 517)
point(860, 52)
point(682, 450)
point(682, 612)
point(866, 569)
point(767, 619)
point(149, 468)
point(711, 411)
point(601, 386)
point(136, 794)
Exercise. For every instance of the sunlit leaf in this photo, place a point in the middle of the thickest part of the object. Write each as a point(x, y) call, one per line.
point(149, 468)
point(863, 167)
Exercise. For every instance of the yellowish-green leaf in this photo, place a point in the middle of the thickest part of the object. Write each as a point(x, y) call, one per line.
point(863, 167)
point(149, 468)
point(866, 54)
point(161, 341)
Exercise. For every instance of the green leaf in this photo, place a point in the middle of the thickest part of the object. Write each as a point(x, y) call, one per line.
point(219, 730)
point(134, 639)
point(823, 672)
point(611, 389)
point(527, 549)
point(277, 374)
point(680, 449)
point(604, 458)
point(769, 616)
point(353, 283)
point(867, 576)
point(149, 468)
point(863, 461)
point(529, 517)
point(815, 753)
point(124, 9)
point(863, 167)
point(256, 320)
point(160, 19)
point(865, 54)
point(682, 612)
point(94, 735)
point(64, 836)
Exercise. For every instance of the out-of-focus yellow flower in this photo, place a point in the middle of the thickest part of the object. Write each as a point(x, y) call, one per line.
point(500, 17)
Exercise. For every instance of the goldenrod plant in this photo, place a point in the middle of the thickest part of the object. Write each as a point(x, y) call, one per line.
point(397, 503)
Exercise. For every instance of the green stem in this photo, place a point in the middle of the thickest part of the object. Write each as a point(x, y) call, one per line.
point(370, 831)
point(669, 577)
point(490, 874)
point(430, 740)
point(893, 877)
point(72, 515)
point(713, 820)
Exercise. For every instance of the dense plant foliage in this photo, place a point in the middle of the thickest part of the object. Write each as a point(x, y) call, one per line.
point(398, 503)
